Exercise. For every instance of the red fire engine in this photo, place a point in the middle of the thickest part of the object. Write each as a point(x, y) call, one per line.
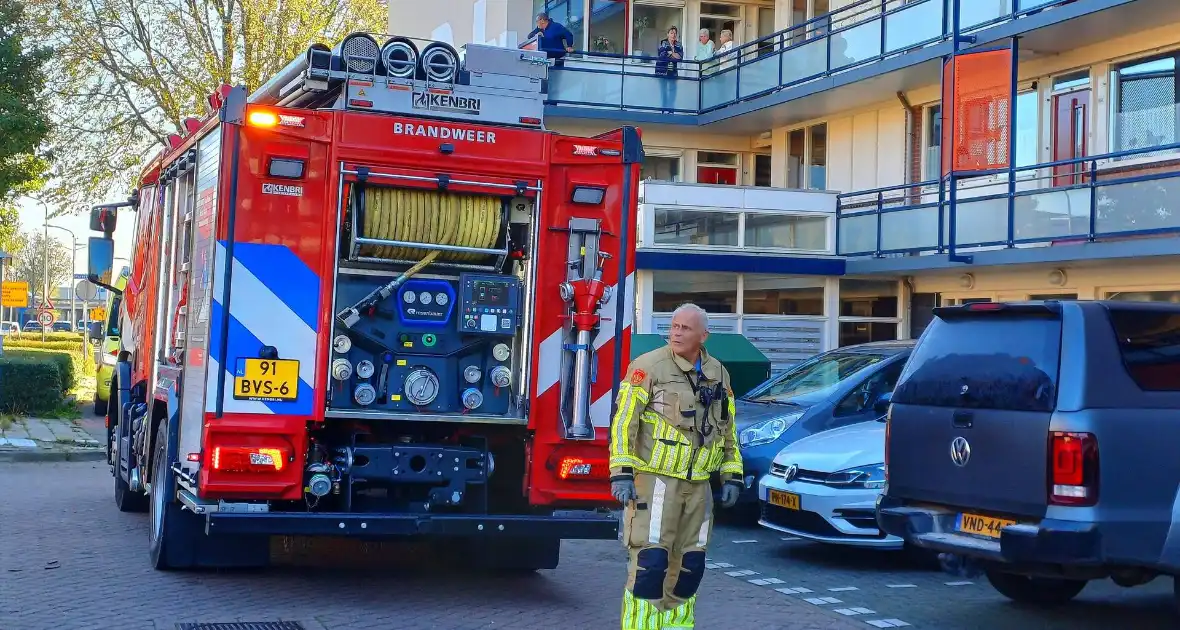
point(374, 298)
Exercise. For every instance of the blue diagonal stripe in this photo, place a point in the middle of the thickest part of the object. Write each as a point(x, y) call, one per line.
point(292, 281)
point(243, 344)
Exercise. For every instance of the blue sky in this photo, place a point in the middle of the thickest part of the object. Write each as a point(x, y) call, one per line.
point(32, 217)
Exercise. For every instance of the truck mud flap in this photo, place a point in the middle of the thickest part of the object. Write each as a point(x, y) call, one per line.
point(565, 525)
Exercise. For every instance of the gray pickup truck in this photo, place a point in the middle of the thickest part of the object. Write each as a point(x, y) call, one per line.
point(1037, 443)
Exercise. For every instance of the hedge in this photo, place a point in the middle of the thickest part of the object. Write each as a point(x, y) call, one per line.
point(31, 335)
point(29, 385)
point(74, 346)
point(68, 364)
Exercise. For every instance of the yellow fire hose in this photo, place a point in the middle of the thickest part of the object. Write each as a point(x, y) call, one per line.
point(420, 216)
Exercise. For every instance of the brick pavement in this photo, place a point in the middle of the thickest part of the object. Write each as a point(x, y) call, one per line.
point(52, 439)
point(70, 560)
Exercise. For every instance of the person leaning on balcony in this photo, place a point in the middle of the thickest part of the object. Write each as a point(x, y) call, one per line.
point(726, 39)
point(669, 56)
point(556, 40)
point(704, 45)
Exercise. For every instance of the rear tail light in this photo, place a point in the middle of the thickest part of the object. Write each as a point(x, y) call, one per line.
point(985, 306)
point(1073, 468)
point(248, 459)
point(571, 468)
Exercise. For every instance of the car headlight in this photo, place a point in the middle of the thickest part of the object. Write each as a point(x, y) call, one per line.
point(767, 431)
point(867, 477)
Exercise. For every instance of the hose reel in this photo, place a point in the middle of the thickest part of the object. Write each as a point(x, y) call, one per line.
point(425, 217)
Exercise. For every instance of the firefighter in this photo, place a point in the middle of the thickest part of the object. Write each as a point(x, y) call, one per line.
point(673, 429)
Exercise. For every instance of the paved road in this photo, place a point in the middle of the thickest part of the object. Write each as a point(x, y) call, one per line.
point(909, 589)
point(70, 560)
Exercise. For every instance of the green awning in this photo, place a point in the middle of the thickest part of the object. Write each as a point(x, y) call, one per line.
point(747, 366)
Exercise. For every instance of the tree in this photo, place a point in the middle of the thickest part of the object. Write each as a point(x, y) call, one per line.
point(11, 239)
point(28, 265)
point(127, 72)
point(23, 122)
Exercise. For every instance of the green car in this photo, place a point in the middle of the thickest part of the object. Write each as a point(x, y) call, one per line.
point(107, 351)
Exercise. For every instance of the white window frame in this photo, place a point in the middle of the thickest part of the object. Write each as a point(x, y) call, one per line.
point(829, 231)
point(897, 320)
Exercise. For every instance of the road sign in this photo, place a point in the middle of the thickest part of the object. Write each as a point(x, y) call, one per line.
point(98, 313)
point(45, 318)
point(16, 294)
point(86, 290)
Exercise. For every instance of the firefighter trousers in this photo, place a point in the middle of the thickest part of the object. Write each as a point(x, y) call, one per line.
point(666, 532)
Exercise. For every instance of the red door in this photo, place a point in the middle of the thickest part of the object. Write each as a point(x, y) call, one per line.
point(1071, 125)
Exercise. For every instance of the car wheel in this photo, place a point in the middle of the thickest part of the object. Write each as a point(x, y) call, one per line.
point(1038, 591)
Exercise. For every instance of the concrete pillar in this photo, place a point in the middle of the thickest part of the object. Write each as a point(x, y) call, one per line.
point(778, 157)
point(832, 313)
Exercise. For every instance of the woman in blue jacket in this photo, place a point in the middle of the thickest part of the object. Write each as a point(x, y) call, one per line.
point(670, 54)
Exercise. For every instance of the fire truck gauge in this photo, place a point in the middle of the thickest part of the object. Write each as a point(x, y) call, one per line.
point(364, 369)
point(409, 297)
point(425, 298)
point(421, 387)
point(342, 344)
point(441, 299)
point(501, 352)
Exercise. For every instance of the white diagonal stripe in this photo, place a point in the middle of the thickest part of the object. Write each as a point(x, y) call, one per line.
point(549, 362)
point(600, 411)
point(607, 331)
point(269, 319)
point(549, 352)
point(232, 405)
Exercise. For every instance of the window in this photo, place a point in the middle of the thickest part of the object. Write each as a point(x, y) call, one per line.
point(766, 294)
point(714, 292)
point(696, 227)
point(796, 154)
point(786, 231)
point(922, 312)
point(660, 168)
point(1143, 103)
point(807, 158)
point(718, 168)
point(865, 396)
point(608, 26)
point(933, 142)
point(1007, 363)
point(650, 25)
point(868, 298)
point(1145, 296)
point(817, 377)
point(1150, 344)
point(853, 333)
point(113, 317)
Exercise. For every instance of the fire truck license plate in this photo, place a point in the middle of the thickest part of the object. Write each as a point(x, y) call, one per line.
point(267, 380)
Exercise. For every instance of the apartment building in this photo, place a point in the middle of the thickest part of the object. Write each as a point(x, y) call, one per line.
point(837, 106)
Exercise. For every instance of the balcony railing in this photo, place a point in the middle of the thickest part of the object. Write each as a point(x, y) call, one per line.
point(855, 35)
point(1119, 195)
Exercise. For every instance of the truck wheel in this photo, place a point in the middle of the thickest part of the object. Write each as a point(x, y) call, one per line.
point(172, 532)
point(1037, 591)
point(125, 499)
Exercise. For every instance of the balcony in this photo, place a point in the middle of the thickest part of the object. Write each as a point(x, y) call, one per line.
point(851, 49)
point(1104, 198)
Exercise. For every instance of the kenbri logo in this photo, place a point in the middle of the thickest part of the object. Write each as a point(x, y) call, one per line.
point(445, 133)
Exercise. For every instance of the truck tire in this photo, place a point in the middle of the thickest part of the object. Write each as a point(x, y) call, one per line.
point(100, 405)
point(1037, 591)
point(125, 499)
point(176, 536)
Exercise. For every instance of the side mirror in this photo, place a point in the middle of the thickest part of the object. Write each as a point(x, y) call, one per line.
point(103, 219)
point(100, 262)
point(881, 406)
point(96, 331)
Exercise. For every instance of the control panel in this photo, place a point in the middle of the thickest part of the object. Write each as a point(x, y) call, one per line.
point(436, 346)
point(489, 304)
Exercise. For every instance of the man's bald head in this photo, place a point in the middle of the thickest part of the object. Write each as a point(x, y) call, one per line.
point(690, 329)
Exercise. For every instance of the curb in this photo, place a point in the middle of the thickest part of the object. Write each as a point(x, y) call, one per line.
point(31, 455)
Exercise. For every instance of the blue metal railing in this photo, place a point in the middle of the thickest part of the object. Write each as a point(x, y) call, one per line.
point(1085, 199)
point(861, 33)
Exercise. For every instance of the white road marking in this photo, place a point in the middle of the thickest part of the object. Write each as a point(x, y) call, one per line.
point(766, 581)
point(852, 612)
point(741, 573)
point(710, 565)
point(790, 538)
point(820, 601)
point(724, 565)
point(901, 586)
point(959, 583)
point(743, 542)
point(797, 590)
point(843, 589)
point(887, 623)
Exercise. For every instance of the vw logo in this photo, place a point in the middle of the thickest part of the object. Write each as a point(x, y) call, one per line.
point(790, 472)
point(960, 451)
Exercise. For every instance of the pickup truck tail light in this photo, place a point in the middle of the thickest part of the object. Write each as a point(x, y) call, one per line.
point(1073, 469)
